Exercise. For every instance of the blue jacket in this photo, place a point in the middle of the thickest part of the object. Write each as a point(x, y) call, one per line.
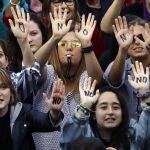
point(76, 128)
point(24, 121)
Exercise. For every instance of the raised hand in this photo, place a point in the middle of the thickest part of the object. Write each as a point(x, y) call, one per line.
point(86, 31)
point(59, 25)
point(122, 33)
point(56, 101)
point(141, 78)
point(88, 98)
point(144, 39)
point(20, 27)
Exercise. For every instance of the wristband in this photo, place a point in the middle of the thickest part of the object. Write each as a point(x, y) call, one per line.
point(12, 3)
point(144, 95)
point(145, 106)
point(87, 49)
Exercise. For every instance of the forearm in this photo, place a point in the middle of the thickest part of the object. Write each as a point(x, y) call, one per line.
point(28, 57)
point(109, 17)
point(44, 52)
point(93, 68)
point(117, 69)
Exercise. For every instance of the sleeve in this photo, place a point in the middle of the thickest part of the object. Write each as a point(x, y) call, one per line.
point(141, 128)
point(42, 122)
point(26, 80)
point(106, 75)
point(74, 129)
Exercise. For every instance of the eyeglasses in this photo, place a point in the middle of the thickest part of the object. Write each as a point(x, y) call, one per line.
point(59, 2)
point(140, 36)
point(74, 44)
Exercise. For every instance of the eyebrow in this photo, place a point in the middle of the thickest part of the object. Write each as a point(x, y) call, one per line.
point(114, 103)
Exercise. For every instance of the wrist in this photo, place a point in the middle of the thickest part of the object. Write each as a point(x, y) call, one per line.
point(87, 49)
point(55, 114)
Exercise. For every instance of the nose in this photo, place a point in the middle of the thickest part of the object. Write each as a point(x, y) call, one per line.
point(69, 47)
point(110, 110)
point(29, 38)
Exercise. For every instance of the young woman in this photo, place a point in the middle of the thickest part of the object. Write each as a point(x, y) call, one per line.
point(18, 121)
point(105, 116)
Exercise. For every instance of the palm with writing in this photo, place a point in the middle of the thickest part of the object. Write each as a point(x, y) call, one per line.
point(141, 78)
point(86, 31)
point(20, 27)
point(59, 25)
point(56, 101)
point(122, 33)
point(88, 98)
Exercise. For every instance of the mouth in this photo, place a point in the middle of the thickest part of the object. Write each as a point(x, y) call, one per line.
point(138, 49)
point(109, 120)
point(68, 55)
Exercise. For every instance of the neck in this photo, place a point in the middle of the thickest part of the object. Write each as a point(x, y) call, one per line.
point(93, 3)
point(105, 133)
point(3, 112)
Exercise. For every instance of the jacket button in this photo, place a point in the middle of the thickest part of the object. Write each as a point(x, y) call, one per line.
point(25, 125)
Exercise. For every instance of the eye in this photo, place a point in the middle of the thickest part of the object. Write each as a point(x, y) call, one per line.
point(1, 55)
point(62, 44)
point(76, 44)
point(33, 33)
point(116, 107)
point(3, 86)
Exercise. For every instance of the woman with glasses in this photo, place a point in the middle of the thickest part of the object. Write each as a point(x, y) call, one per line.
point(72, 60)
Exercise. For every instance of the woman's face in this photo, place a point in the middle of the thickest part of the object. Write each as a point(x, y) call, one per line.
point(69, 46)
point(5, 95)
point(3, 59)
point(108, 111)
point(34, 37)
point(68, 4)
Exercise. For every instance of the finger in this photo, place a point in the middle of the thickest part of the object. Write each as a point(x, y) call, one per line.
point(23, 14)
point(93, 86)
point(54, 87)
point(63, 90)
point(89, 83)
point(11, 24)
point(88, 19)
point(65, 14)
point(51, 17)
point(85, 84)
point(94, 25)
point(59, 12)
point(83, 20)
point(92, 21)
point(134, 70)
point(117, 25)
point(28, 17)
point(147, 71)
point(115, 30)
point(120, 22)
point(18, 11)
point(138, 40)
point(55, 13)
point(125, 22)
point(147, 28)
point(137, 65)
point(141, 68)
point(45, 97)
point(14, 13)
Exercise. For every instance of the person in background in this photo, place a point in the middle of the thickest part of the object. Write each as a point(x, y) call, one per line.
point(18, 120)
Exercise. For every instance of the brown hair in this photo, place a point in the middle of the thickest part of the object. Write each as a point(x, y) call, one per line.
point(6, 81)
point(54, 60)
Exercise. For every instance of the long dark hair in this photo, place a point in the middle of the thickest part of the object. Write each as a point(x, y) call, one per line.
point(120, 135)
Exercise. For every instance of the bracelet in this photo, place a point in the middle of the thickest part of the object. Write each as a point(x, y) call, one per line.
point(144, 95)
point(83, 109)
point(87, 49)
point(12, 3)
point(145, 106)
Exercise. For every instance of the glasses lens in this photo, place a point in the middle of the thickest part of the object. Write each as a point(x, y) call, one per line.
point(76, 44)
point(62, 44)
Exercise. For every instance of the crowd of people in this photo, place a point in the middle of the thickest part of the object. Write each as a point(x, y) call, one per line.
point(74, 74)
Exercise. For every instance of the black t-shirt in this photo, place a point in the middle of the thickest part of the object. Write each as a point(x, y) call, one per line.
point(5, 133)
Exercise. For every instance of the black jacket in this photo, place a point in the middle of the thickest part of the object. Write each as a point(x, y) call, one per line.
point(24, 121)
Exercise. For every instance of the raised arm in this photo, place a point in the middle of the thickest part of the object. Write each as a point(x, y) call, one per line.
point(124, 38)
point(85, 34)
point(59, 28)
point(109, 17)
point(79, 125)
point(20, 29)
